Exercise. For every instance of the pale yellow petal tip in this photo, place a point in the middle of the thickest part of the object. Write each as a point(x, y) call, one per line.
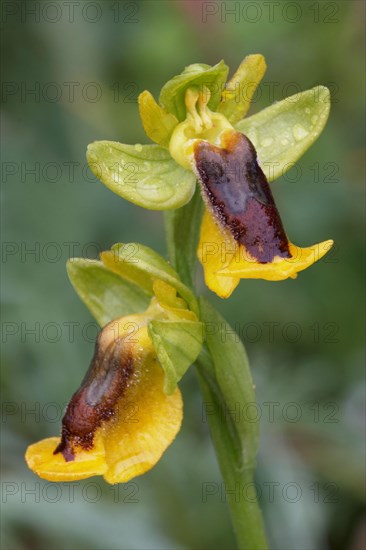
point(281, 268)
point(256, 59)
point(222, 286)
point(41, 460)
point(143, 95)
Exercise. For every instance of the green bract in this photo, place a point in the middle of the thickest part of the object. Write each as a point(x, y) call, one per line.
point(228, 382)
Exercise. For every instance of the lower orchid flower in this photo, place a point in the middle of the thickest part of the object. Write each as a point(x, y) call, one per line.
point(123, 417)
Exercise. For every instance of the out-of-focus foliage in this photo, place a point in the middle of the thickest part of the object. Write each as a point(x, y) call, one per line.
point(304, 337)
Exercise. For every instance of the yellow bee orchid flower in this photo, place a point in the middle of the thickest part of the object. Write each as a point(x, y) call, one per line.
point(120, 421)
point(201, 134)
point(242, 235)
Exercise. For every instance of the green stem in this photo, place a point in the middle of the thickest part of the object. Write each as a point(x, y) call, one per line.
point(182, 229)
point(239, 488)
point(225, 381)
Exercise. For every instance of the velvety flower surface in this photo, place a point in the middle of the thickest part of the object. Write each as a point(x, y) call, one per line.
point(202, 135)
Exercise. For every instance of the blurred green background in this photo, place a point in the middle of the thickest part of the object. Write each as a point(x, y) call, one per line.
point(86, 62)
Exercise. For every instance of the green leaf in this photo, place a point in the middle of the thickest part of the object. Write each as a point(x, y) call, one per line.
point(182, 248)
point(172, 94)
point(158, 123)
point(105, 294)
point(231, 386)
point(240, 89)
point(142, 265)
point(177, 345)
point(284, 131)
point(143, 174)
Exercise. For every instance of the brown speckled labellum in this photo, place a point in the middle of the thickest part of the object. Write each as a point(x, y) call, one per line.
point(238, 195)
point(94, 402)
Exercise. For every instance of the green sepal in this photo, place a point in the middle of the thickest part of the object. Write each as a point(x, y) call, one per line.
point(105, 294)
point(143, 266)
point(283, 132)
point(143, 174)
point(231, 387)
point(158, 123)
point(236, 97)
point(172, 94)
point(177, 345)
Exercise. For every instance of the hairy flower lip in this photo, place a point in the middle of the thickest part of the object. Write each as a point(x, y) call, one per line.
point(238, 195)
point(105, 382)
point(94, 402)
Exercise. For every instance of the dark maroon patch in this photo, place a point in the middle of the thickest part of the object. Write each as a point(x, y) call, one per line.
point(240, 197)
point(95, 401)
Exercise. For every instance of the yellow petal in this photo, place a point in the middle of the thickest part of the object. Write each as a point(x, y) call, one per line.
point(167, 298)
point(147, 423)
point(45, 464)
point(238, 93)
point(158, 123)
point(214, 254)
point(280, 268)
point(167, 294)
point(225, 262)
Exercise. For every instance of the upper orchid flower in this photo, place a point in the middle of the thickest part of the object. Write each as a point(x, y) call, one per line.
point(201, 136)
